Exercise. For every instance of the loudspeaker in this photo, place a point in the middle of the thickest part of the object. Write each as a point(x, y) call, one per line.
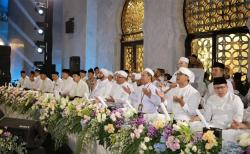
point(39, 64)
point(74, 63)
point(70, 26)
point(29, 130)
point(5, 76)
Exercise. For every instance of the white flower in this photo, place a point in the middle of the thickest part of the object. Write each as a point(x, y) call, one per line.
point(143, 146)
point(103, 117)
point(194, 148)
point(112, 117)
point(128, 113)
point(118, 114)
point(146, 139)
point(244, 136)
point(245, 142)
point(98, 117)
point(176, 127)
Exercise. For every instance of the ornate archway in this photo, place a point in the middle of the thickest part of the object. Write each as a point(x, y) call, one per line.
point(132, 35)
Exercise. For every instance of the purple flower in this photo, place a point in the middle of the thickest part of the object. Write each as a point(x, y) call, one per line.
point(138, 121)
point(248, 150)
point(167, 131)
point(197, 137)
point(119, 123)
point(6, 134)
point(152, 131)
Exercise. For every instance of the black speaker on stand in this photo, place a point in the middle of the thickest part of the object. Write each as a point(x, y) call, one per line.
point(74, 63)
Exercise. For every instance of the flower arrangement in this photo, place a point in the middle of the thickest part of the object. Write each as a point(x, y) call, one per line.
point(10, 143)
point(119, 130)
point(244, 142)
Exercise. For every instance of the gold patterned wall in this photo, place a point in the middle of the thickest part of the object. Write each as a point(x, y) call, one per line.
point(212, 15)
point(132, 29)
point(202, 47)
point(139, 58)
point(128, 58)
point(232, 50)
point(132, 20)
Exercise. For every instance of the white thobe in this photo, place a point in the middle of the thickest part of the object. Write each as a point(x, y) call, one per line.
point(221, 111)
point(79, 89)
point(57, 85)
point(38, 82)
point(46, 86)
point(21, 81)
point(191, 98)
point(158, 81)
point(102, 89)
point(67, 85)
point(149, 104)
point(28, 84)
point(119, 95)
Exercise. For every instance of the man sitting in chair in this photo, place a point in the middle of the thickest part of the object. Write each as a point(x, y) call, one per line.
point(223, 108)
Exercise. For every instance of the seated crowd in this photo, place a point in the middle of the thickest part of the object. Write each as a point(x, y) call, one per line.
point(221, 101)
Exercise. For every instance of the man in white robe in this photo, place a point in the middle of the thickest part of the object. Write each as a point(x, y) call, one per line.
point(183, 100)
point(83, 75)
point(223, 108)
point(23, 78)
point(30, 83)
point(37, 78)
point(57, 83)
point(146, 98)
point(80, 87)
point(46, 84)
point(67, 82)
point(159, 77)
point(103, 85)
point(217, 71)
point(118, 96)
point(183, 62)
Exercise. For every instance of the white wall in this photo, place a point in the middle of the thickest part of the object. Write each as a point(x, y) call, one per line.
point(74, 44)
point(164, 33)
point(98, 32)
point(108, 33)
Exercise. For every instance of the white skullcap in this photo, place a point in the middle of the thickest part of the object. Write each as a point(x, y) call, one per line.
point(150, 71)
point(137, 76)
point(122, 73)
point(110, 73)
point(184, 59)
point(104, 72)
point(187, 72)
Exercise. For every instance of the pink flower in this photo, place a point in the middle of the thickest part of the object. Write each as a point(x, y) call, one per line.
point(173, 143)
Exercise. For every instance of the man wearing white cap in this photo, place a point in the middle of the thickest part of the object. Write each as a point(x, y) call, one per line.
point(183, 62)
point(135, 79)
point(118, 96)
point(103, 86)
point(183, 100)
point(146, 97)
